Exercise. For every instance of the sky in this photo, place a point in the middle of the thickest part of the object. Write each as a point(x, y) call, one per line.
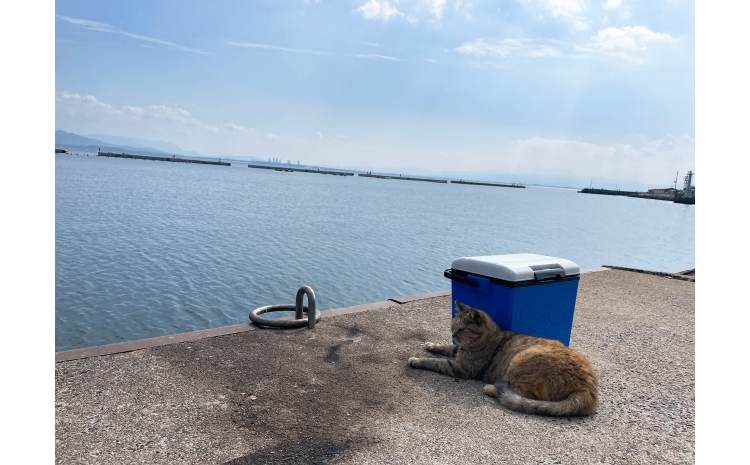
point(516, 89)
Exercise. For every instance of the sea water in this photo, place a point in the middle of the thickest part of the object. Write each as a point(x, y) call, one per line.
point(148, 248)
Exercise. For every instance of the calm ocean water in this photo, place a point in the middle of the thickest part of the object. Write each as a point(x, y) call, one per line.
point(144, 249)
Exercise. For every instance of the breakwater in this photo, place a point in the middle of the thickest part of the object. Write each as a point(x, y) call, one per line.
point(170, 159)
point(404, 178)
point(676, 198)
point(474, 183)
point(301, 170)
point(589, 190)
point(689, 200)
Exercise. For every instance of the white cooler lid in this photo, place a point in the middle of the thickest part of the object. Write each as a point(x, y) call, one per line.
point(513, 267)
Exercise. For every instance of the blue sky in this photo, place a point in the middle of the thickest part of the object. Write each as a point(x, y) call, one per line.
point(520, 88)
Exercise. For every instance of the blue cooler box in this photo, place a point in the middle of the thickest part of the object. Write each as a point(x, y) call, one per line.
point(525, 293)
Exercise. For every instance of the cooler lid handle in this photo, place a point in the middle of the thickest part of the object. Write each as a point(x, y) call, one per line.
point(542, 272)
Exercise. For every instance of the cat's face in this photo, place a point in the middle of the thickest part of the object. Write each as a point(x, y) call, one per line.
point(469, 325)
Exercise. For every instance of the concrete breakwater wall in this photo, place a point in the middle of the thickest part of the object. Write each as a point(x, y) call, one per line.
point(588, 190)
point(641, 195)
point(290, 168)
point(405, 178)
point(494, 184)
point(442, 181)
point(689, 201)
point(170, 159)
point(301, 170)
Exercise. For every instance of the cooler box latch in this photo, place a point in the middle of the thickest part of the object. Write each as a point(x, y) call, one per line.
point(478, 284)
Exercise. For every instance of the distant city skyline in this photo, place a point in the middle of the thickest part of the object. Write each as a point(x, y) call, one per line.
point(576, 89)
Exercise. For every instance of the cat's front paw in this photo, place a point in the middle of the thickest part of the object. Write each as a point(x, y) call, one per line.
point(430, 346)
point(413, 362)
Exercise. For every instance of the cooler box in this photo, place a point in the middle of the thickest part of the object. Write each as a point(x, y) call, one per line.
point(525, 293)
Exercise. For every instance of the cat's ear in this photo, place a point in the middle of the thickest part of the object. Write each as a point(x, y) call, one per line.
point(476, 316)
point(462, 308)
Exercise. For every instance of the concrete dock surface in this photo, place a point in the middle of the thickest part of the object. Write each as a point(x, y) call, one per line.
point(343, 393)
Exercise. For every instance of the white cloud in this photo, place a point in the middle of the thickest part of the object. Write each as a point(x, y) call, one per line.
point(379, 10)
point(481, 47)
point(461, 8)
point(92, 25)
point(86, 105)
point(506, 47)
point(87, 108)
point(384, 11)
point(435, 7)
point(274, 47)
point(628, 42)
point(571, 11)
point(103, 27)
point(377, 57)
point(654, 162)
point(580, 25)
point(612, 4)
point(171, 114)
point(85, 114)
point(541, 51)
point(568, 9)
point(234, 127)
point(312, 52)
point(137, 110)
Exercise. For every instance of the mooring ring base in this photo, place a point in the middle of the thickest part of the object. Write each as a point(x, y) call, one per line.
point(280, 323)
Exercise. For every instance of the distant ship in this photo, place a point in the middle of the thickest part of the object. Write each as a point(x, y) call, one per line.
point(59, 149)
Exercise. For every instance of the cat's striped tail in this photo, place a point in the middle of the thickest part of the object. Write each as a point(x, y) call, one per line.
point(578, 404)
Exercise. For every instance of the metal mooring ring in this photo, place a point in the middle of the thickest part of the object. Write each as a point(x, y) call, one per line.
point(298, 308)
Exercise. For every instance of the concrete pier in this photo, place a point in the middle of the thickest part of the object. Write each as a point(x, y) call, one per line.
point(343, 393)
point(301, 170)
point(170, 159)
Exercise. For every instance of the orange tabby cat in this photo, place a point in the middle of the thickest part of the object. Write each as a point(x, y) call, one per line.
point(528, 374)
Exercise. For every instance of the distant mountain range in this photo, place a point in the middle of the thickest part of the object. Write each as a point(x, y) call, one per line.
point(107, 143)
